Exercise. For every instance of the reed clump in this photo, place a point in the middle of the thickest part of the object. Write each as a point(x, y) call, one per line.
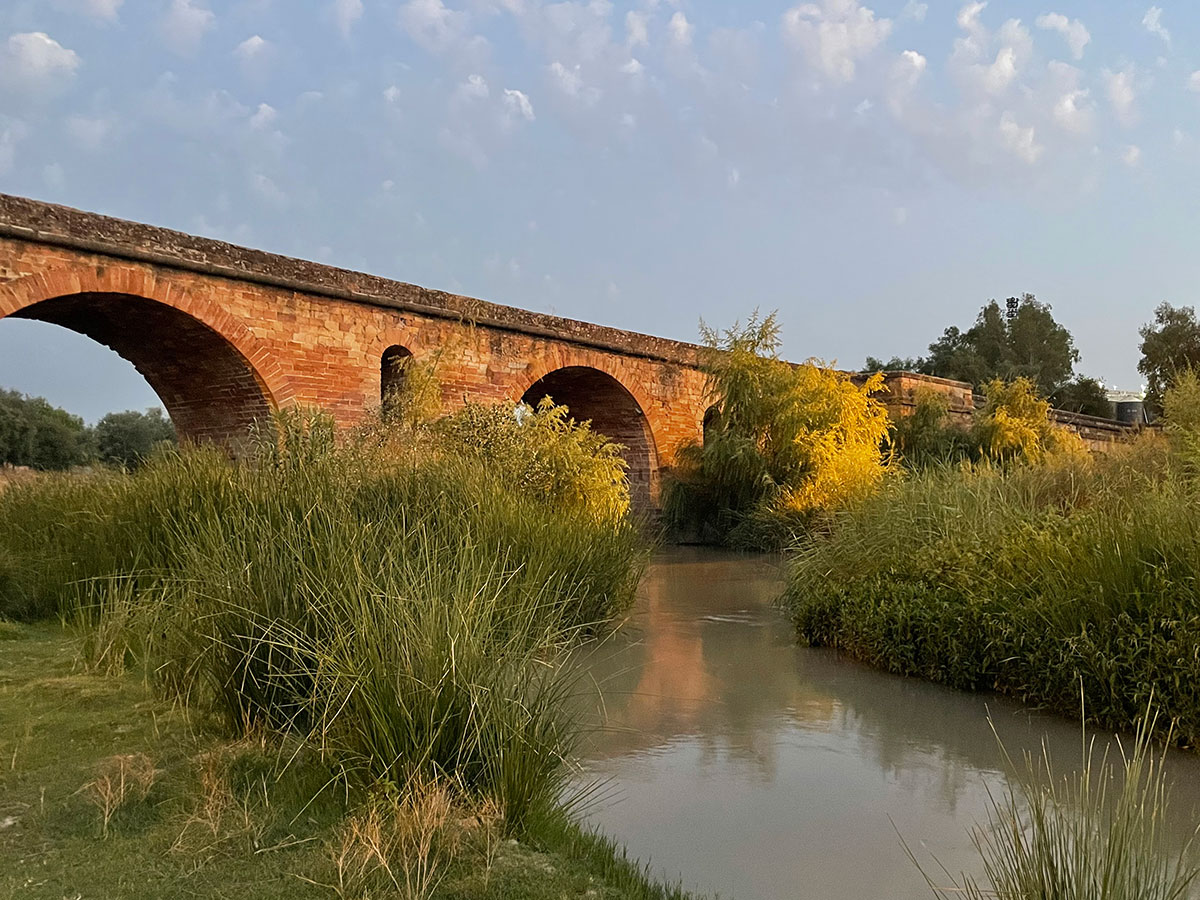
point(1028, 579)
point(1099, 833)
point(387, 597)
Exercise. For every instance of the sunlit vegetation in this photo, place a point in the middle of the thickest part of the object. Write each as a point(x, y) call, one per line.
point(1097, 834)
point(1039, 578)
point(372, 629)
point(783, 444)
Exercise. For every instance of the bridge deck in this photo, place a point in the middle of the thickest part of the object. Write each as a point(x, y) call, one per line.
point(50, 223)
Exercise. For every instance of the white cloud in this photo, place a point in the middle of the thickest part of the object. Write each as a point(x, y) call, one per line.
point(96, 9)
point(680, 29)
point(835, 35)
point(474, 88)
point(33, 62)
point(1073, 31)
point(637, 33)
point(734, 176)
point(251, 48)
point(185, 25)
point(267, 189)
point(633, 67)
point(968, 17)
point(1132, 156)
point(432, 25)
point(900, 216)
point(988, 63)
point(1072, 110)
point(391, 93)
point(1019, 141)
point(1194, 82)
point(518, 103)
point(1121, 94)
point(264, 116)
point(1152, 22)
point(914, 11)
point(569, 82)
point(346, 13)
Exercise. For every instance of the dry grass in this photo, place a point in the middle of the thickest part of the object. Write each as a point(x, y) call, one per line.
point(404, 841)
point(120, 781)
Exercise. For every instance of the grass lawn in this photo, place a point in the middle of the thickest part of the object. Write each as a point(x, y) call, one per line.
point(202, 816)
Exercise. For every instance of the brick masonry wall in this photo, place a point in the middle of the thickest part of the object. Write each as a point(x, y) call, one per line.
point(221, 349)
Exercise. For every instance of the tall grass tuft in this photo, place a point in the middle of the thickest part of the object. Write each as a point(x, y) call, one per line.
point(388, 598)
point(1099, 834)
point(1032, 580)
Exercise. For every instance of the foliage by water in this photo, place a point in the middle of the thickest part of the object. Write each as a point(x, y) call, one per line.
point(782, 443)
point(390, 599)
point(1098, 834)
point(1033, 580)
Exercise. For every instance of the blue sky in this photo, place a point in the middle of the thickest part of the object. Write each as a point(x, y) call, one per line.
point(876, 171)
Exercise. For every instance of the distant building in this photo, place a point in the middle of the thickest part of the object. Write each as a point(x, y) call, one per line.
point(1129, 406)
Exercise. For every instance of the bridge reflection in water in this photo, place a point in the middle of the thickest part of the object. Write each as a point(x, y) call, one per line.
point(762, 770)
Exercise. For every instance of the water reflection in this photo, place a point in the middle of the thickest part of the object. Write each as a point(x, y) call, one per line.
point(762, 770)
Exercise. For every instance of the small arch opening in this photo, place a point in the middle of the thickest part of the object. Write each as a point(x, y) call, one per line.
point(393, 369)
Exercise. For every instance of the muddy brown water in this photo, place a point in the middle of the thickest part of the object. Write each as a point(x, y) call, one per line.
point(756, 769)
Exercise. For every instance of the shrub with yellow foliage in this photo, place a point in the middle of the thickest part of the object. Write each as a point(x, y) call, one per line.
point(1014, 423)
point(782, 443)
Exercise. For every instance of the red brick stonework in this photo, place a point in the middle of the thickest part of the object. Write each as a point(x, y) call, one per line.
point(224, 334)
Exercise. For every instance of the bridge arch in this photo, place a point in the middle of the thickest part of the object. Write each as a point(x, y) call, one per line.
point(614, 411)
point(211, 374)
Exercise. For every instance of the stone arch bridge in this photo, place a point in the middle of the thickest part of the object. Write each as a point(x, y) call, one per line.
point(225, 334)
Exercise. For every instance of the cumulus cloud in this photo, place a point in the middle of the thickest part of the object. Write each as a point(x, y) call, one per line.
point(1019, 141)
point(517, 103)
point(1072, 110)
point(1152, 22)
point(1073, 31)
point(96, 9)
point(988, 64)
point(680, 29)
point(1194, 82)
point(265, 188)
point(637, 31)
point(569, 83)
point(432, 25)
point(835, 35)
point(346, 13)
point(1132, 156)
point(264, 116)
point(1121, 94)
point(185, 24)
point(474, 88)
point(251, 48)
point(33, 63)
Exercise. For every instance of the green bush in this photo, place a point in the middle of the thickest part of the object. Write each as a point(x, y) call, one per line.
point(1038, 581)
point(543, 452)
point(404, 606)
point(782, 444)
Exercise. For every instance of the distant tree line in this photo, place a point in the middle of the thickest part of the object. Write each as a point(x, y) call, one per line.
point(1025, 341)
point(36, 434)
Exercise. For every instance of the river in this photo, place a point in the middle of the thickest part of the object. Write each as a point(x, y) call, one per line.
point(757, 769)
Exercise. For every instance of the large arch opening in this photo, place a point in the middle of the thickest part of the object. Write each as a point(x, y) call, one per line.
point(209, 389)
point(615, 413)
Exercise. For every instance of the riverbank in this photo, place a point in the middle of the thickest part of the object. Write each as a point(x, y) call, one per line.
point(220, 817)
point(1070, 582)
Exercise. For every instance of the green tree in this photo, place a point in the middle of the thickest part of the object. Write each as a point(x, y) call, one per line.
point(33, 433)
point(782, 442)
point(126, 438)
point(895, 364)
point(1170, 345)
point(1030, 344)
point(1083, 395)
